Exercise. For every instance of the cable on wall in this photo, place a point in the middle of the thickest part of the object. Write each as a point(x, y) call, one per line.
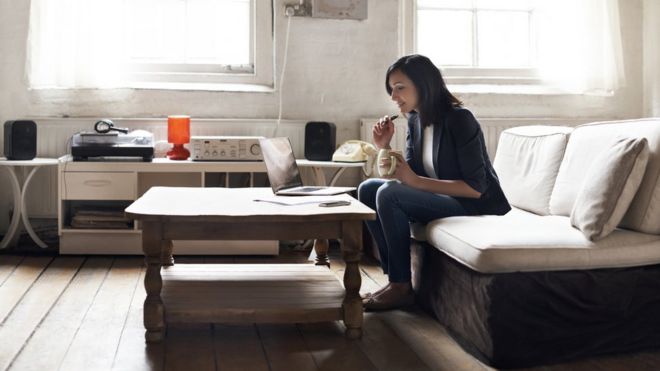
point(289, 15)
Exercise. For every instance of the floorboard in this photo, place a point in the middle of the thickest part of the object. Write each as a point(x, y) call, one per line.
point(95, 344)
point(18, 281)
point(238, 348)
point(331, 350)
point(78, 313)
point(7, 266)
point(385, 349)
point(189, 347)
point(64, 319)
point(285, 348)
point(647, 360)
point(34, 306)
point(133, 353)
point(430, 341)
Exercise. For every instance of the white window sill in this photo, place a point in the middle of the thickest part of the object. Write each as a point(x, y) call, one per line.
point(504, 89)
point(221, 87)
point(512, 89)
point(224, 87)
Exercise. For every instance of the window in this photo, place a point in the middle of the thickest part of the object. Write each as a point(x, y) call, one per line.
point(486, 34)
point(570, 45)
point(150, 43)
point(478, 38)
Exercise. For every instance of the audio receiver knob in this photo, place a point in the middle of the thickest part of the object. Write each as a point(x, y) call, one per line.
point(255, 149)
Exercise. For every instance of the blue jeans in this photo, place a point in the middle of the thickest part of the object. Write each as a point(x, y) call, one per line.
point(396, 206)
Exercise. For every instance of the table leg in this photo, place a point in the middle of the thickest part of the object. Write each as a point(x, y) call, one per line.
point(351, 251)
point(167, 257)
point(336, 176)
point(13, 225)
point(321, 247)
point(26, 221)
point(154, 310)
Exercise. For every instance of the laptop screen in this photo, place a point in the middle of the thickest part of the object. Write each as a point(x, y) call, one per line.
point(280, 163)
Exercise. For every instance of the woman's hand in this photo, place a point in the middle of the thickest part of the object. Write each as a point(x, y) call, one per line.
point(403, 172)
point(383, 131)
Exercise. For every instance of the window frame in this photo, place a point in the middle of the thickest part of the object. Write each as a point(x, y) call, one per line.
point(259, 73)
point(460, 74)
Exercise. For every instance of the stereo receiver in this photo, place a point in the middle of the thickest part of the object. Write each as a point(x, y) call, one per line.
point(225, 148)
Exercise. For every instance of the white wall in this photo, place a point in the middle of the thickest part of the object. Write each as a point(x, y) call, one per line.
point(335, 73)
point(651, 42)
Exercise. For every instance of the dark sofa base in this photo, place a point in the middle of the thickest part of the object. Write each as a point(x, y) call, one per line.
point(526, 319)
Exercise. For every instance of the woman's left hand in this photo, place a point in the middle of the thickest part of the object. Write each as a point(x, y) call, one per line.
point(403, 172)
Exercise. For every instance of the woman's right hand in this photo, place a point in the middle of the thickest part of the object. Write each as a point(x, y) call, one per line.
point(383, 131)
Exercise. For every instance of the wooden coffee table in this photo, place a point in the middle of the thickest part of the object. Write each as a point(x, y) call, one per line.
point(257, 293)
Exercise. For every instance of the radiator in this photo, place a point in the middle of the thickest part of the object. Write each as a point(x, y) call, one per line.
point(54, 140)
point(491, 127)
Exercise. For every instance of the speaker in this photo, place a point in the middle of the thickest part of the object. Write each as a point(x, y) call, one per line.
point(20, 140)
point(320, 140)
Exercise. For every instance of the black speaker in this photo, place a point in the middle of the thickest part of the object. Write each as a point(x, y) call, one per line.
point(320, 140)
point(20, 140)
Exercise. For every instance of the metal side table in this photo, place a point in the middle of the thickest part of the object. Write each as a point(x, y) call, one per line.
point(19, 191)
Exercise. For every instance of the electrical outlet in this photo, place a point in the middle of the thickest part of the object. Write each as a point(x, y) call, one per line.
point(298, 9)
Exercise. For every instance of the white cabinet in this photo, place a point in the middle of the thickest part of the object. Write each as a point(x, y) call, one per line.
point(81, 185)
point(114, 185)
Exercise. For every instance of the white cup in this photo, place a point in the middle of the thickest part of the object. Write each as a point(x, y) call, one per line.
point(386, 170)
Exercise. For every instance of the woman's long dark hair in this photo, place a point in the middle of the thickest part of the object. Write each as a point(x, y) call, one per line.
point(435, 100)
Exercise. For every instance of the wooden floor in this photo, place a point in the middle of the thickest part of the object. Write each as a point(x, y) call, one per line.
point(85, 313)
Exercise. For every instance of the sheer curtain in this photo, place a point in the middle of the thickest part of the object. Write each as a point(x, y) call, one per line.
point(580, 45)
point(75, 43)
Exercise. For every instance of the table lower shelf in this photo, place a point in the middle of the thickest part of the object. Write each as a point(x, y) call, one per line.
point(251, 293)
point(129, 242)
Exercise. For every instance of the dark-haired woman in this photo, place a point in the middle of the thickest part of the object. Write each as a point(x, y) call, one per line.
point(446, 172)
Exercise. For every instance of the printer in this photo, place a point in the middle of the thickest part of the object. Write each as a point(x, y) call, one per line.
point(113, 146)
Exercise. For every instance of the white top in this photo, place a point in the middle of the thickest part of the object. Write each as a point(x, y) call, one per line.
point(427, 151)
point(33, 162)
point(241, 202)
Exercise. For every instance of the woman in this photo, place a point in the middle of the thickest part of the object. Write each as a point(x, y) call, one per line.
point(446, 172)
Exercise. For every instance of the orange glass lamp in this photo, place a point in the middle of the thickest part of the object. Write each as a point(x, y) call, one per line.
point(178, 133)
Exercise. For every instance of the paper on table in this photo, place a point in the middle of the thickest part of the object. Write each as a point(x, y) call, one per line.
point(289, 203)
point(307, 200)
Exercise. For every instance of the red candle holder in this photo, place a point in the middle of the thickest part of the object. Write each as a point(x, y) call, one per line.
point(178, 133)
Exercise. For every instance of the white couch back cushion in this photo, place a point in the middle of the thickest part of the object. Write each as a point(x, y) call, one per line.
point(527, 162)
point(586, 142)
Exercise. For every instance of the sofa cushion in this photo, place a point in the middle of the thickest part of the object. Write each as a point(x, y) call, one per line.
point(585, 143)
point(527, 162)
point(523, 241)
point(610, 185)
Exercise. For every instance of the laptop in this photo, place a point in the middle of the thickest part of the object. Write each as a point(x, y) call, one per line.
point(283, 172)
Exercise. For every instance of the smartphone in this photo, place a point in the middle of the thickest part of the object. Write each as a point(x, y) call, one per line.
point(335, 203)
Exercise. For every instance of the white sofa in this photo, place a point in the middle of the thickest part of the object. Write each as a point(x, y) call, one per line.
point(529, 287)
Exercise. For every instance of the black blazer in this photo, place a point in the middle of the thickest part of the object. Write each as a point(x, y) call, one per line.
point(459, 153)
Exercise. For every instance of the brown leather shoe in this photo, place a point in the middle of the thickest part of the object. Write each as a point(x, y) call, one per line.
point(374, 304)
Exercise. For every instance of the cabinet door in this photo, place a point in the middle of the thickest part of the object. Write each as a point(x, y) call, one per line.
point(99, 186)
